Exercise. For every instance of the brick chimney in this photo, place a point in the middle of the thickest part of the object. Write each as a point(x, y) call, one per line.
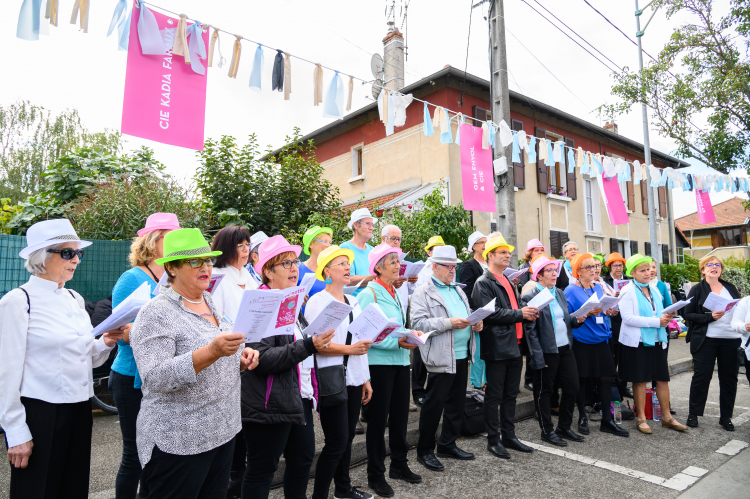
point(393, 58)
point(611, 126)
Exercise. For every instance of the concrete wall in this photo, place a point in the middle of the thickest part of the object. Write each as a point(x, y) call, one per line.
point(739, 252)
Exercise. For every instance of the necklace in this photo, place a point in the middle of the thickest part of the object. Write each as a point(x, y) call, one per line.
point(193, 302)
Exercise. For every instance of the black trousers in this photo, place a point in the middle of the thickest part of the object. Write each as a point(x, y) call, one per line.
point(239, 458)
point(604, 388)
point(723, 350)
point(198, 476)
point(560, 366)
point(266, 443)
point(339, 424)
point(446, 397)
point(503, 383)
point(528, 373)
point(418, 375)
point(60, 461)
point(389, 402)
point(616, 348)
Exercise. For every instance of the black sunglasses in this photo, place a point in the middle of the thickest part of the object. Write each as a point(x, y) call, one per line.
point(67, 253)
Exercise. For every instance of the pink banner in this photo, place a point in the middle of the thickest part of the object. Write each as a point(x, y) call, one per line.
point(705, 208)
point(613, 201)
point(165, 100)
point(476, 171)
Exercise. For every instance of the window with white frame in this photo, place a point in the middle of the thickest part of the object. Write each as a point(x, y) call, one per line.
point(588, 203)
point(357, 160)
point(679, 256)
point(558, 181)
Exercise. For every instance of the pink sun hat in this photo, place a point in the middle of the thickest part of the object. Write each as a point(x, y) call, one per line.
point(160, 221)
point(540, 262)
point(379, 252)
point(535, 243)
point(272, 247)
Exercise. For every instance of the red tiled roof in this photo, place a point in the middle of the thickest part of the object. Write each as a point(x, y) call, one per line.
point(371, 202)
point(728, 213)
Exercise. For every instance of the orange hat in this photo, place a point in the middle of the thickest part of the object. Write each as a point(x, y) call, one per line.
point(576, 262)
point(536, 257)
point(614, 257)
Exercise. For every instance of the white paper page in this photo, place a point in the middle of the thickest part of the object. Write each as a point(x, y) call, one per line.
point(308, 282)
point(588, 306)
point(349, 290)
point(413, 339)
point(392, 328)
point(480, 313)
point(542, 299)
point(215, 281)
point(512, 275)
point(608, 302)
point(162, 282)
point(618, 284)
point(330, 317)
point(126, 311)
point(676, 306)
point(715, 303)
point(285, 318)
point(368, 323)
point(257, 308)
point(413, 268)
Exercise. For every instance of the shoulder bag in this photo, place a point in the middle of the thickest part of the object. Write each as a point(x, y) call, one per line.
point(332, 379)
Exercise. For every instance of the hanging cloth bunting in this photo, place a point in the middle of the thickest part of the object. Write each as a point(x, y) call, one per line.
point(532, 149)
point(236, 51)
point(636, 172)
point(571, 160)
point(609, 167)
point(550, 154)
point(287, 75)
point(83, 7)
point(52, 9)
point(29, 20)
point(485, 136)
point(277, 76)
point(586, 163)
point(506, 135)
point(351, 92)
point(123, 33)
point(333, 106)
point(598, 165)
point(427, 122)
point(579, 158)
point(119, 16)
point(460, 120)
point(317, 85)
point(215, 40)
point(543, 150)
point(522, 141)
point(257, 70)
point(493, 134)
point(441, 119)
point(180, 46)
point(557, 151)
point(196, 47)
point(400, 103)
point(655, 176)
point(516, 150)
point(149, 35)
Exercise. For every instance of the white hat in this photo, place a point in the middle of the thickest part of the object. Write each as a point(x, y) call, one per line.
point(50, 233)
point(257, 238)
point(360, 214)
point(443, 254)
point(473, 238)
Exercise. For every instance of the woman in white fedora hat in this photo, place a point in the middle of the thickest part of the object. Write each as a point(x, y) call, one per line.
point(47, 352)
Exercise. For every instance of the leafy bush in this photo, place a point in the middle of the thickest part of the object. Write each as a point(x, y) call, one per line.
point(7, 213)
point(677, 275)
point(738, 277)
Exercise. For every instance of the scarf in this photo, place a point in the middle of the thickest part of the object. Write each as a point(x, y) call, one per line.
point(551, 310)
point(441, 284)
point(645, 309)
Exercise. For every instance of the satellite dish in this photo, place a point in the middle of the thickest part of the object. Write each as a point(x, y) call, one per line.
point(377, 86)
point(376, 65)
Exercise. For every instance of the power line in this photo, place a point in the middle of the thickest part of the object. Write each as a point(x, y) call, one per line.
point(618, 29)
point(466, 64)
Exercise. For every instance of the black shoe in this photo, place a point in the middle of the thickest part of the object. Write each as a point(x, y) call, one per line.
point(359, 430)
point(627, 393)
point(430, 462)
point(498, 450)
point(611, 427)
point(406, 475)
point(692, 421)
point(419, 401)
point(362, 418)
point(235, 488)
point(515, 444)
point(569, 435)
point(456, 453)
point(381, 488)
point(672, 411)
point(583, 425)
point(529, 387)
point(726, 423)
point(554, 439)
point(354, 493)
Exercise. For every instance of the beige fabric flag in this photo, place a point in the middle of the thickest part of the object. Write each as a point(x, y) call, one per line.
point(351, 91)
point(83, 6)
point(485, 136)
point(287, 75)
point(236, 51)
point(386, 100)
point(579, 157)
point(52, 7)
point(542, 149)
point(180, 46)
point(214, 38)
point(317, 85)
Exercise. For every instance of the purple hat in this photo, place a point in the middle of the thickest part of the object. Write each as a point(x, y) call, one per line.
point(540, 262)
point(379, 252)
point(272, 247)
point(160, 221)
point(535, 243)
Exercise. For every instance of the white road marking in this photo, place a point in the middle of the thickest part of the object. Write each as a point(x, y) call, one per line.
point(733, 447)
point(742, 418)
point(686, 399)
point(694, 471)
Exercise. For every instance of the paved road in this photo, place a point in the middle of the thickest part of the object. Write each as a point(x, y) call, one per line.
point(642, 465)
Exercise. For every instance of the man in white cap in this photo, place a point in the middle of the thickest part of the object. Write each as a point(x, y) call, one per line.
point(255, 241)
point(361, 224)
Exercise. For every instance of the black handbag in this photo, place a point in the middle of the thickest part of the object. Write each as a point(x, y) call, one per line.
point(332, 379)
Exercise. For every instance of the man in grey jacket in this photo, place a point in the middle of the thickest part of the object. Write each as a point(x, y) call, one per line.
point(441, 306)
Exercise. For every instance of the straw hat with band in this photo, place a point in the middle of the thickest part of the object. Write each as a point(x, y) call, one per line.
point(494, 243)
point(272, 247)
point(434, 241)
point(311, 234)
point(183, 244)
point(576, 262)
point(634, 261)
point(615, 257)
point(328, 254)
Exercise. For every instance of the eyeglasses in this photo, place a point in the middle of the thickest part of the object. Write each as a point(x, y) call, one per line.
point(324, 243)
point(716, 265)
point(549, 271)
point(449, 267)
point(616, 266)
point(243, 246)
point(592, 267)
point(197, 263)
point(287, 264)
point(67, 253)
point(345, 264)
point(393, 239)
point(392, 261)
point(366, 224)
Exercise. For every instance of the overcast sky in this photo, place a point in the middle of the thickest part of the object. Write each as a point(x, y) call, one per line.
point(70, 69)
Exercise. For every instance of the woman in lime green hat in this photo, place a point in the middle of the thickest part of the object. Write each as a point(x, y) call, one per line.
point(315, 240)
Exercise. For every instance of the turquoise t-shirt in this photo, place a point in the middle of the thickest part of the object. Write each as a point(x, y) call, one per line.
point(456, 309)
point(127, 283)
point(361, 265)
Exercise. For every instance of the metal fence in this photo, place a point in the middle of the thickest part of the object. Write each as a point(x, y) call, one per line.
point(101, 266)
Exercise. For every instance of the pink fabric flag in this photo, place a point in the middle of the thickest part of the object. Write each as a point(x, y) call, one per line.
point(165, 100)
point(705, 208)
point(476, 171)
point(613, 201)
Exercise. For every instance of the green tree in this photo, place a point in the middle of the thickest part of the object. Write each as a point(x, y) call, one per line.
point(703, 71)
point(275, 194)
point(32, 138)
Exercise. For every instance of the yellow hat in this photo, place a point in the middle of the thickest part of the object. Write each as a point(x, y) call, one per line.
point(494, 243)
point(434, 241)
point(329, 254)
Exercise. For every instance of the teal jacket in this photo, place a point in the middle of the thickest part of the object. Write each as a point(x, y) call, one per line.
point(387, 353)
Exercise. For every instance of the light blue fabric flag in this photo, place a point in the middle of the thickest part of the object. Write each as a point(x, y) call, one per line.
point(745, 185)
point(29, 20)
point(598, 168)
point(427, 124)
point(654, 181)
point(516, 156)
point(550, 155)
point(446, 136)
point(628, 178)
point(586, 167)
point(493, 130)
point(458, 130)
point(151, 40)
point(333, 106)
point(571, 161)
point(532, 149)
point(123, 33)
point(119, 16)
point(255, 74)
point(734, 186)
point(663, 179)
point(196, 47)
